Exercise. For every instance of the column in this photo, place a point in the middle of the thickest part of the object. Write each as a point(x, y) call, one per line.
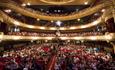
point(113, 9)
point(113, 44)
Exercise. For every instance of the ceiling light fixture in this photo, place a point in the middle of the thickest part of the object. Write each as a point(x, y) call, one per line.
point(52, 21)
point(28, 4)
point(38, 19)
point(86, 3)
point(8, 10)
point(78, 19)
point(103, 10)
point(24, 4)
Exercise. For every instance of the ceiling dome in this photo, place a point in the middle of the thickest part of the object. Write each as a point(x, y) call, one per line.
point(59, 2)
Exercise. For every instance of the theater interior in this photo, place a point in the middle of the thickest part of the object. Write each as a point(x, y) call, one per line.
point(57, 34)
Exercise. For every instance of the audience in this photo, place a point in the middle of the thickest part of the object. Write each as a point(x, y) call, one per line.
point(54, 35)
point(78, 58)
point(34, 57)
point(68, 57)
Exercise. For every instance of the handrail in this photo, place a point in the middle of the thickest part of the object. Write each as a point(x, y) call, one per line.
point(40, 15)
point(108, 37)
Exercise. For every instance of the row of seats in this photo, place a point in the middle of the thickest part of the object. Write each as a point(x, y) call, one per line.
point(54, 35)
point(32, 57)
point(78, 58)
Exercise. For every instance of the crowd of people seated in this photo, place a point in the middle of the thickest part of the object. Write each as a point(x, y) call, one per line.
point(54, 35)
point(33, 57)
point(68, 57)
point(78, 58)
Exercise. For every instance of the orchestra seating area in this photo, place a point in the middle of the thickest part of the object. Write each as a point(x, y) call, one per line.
point(67, 57)
point(31, 57)
point(81, 59)
point(54, 35)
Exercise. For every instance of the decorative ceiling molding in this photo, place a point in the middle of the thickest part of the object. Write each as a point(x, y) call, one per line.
point(57, 2)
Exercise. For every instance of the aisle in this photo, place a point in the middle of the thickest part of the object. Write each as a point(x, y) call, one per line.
point(52, 63)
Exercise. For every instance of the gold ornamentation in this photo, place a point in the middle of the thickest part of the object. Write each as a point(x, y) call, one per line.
point(57, 2)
